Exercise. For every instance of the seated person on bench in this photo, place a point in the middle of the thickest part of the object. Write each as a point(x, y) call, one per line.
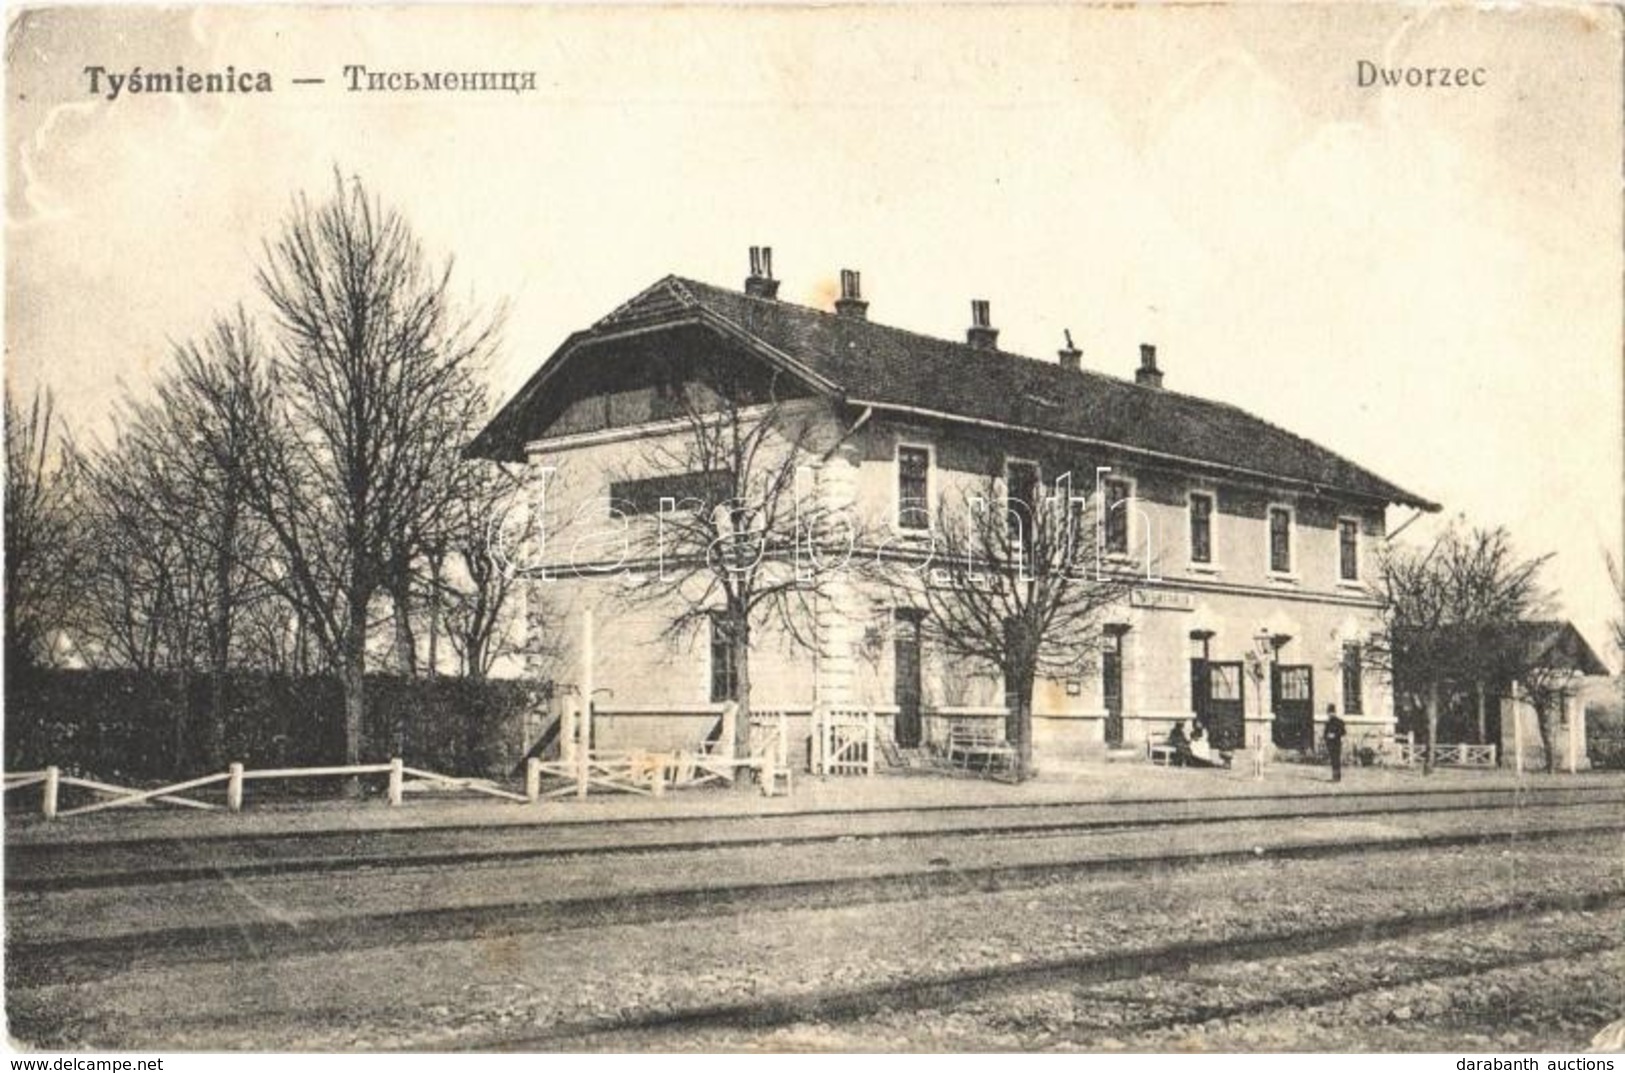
point(1200, 752)
point(1180, 744)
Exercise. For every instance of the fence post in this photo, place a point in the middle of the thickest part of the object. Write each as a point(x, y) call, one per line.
point(869, 748)
point(1571, 709)
point(730, 727)
point(657, 776)
point(769, 771)
point(567, 730)
point(533, 779)
point(1517, 733)
point(234, 787)
point(53, 776)
point(396, 777)
point(588, 656)
point(584, 749)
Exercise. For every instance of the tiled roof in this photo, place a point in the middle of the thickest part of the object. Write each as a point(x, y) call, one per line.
point(1555, 643)
point(873, 364)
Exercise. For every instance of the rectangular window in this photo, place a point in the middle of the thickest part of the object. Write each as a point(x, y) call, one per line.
point(1079, 535)
point(1353, 704)
point(1021, 494)
point(1280, 540)
point(913, 488)
point(699, 491)
point(1201, 528)
point(1348, 549)
point(1224, 681)
point(1116, 510)
point(724, 672)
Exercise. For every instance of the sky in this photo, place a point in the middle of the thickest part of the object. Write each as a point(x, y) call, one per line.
point(1427, 281)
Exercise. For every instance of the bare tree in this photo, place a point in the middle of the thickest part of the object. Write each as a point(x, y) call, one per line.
point(178, 555)
point(375, 378)
point(738, 513)
point(1447, 613)
point(1544, 684)
point(44, 554)
point(1013, 581)
point(478, 594)
point(140, 604)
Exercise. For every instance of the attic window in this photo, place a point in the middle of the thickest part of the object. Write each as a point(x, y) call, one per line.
point(699, 491)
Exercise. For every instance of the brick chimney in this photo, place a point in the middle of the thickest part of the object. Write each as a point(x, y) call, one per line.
point(851, 303)
point(1148, 374)
point(981, 333)
point(760, 283)
point(1071, 356)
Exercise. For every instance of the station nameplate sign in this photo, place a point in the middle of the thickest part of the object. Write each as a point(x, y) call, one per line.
point(1163, 600)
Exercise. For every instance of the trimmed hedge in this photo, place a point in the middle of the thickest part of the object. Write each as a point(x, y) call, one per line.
point(128, 726)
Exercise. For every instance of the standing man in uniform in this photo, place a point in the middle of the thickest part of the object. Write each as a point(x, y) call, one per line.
point(1333, 735)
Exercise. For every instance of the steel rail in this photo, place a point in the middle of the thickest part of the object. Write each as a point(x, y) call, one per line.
point(351, 860)
point(67, 959)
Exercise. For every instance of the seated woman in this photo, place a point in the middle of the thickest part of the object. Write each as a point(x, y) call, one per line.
point(1200, 749)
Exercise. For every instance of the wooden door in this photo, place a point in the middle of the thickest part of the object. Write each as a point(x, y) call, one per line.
point(1225, 692)
point(906, 661)
point(1293, 689)
point(1111, 687)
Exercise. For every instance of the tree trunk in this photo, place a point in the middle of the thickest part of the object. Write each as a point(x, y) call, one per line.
point(1019, 728)
point(220, 649)
point(1432, 728)
point(183, 712)
point(406, 647)
point(1483, 724)
point(217, 715)
point(434, 615)
point(353, 677)
point(1543, 721)
point(741, 743)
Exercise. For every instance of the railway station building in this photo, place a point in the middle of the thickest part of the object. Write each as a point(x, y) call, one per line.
point(1261, 543)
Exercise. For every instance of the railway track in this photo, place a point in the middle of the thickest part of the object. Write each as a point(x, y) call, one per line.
point(77, 958)
point(47, 867)
point(949, 989)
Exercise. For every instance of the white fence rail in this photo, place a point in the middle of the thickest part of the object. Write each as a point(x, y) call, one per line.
point(845, 739)
point(1409, 754)
point(401, 779)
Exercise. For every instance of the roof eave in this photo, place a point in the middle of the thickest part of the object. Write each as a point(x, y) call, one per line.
point(1395, 495)
point(485, 445)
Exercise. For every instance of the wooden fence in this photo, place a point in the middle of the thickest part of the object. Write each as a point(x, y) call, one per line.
point(844, 743)
point(402, 779)
point(1409, 754)
point(580, 768)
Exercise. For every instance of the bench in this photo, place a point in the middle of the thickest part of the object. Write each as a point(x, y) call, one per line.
point(1158, 751)
point(981, 747)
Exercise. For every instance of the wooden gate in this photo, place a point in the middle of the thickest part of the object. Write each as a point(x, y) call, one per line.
point(844, 741)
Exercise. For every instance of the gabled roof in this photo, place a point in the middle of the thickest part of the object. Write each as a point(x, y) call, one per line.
point(1557, 643)
point(868, 364)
